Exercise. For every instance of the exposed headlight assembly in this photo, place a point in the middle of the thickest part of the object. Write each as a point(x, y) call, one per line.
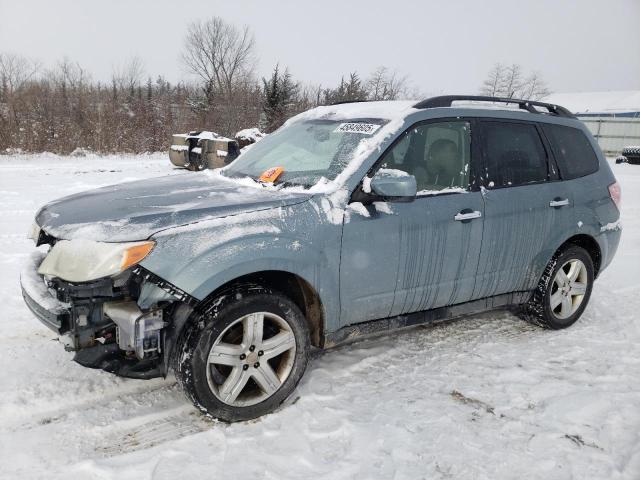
point(85, 260)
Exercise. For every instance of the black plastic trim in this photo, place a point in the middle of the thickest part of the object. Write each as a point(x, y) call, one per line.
point(342, 102)
point(168, 287)
point(110, 358)
point(528, 105)
point(67, 291)
point(437, 315)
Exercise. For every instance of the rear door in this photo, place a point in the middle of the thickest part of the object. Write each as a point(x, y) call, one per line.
point(527, 208)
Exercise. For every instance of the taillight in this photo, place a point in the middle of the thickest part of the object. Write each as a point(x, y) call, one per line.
point(616, 194)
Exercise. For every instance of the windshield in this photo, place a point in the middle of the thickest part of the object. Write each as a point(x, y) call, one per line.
point(307, 151)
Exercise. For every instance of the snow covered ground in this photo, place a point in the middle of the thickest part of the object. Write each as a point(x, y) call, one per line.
point(487, 397)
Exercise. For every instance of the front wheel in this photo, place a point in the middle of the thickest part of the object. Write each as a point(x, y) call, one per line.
point(563, 291)
point(243, 360)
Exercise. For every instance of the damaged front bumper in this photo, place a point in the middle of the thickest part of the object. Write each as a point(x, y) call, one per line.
point(46, 308)
point(117, 324)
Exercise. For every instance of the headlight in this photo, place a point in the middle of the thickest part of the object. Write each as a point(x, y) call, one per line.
point(85, 260)
point(34, 232)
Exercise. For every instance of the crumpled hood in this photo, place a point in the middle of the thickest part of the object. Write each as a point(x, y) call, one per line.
point(136, 210)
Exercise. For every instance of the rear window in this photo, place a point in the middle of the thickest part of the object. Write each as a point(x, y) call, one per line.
point(572, 150)
point(514, 154)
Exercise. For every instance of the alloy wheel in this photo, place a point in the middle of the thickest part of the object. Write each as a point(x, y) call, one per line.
point(251, 359)
point(568, 289)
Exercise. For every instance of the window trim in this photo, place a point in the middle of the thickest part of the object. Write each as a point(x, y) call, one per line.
point(474, 151)
point(551, 156)
point(550, 159)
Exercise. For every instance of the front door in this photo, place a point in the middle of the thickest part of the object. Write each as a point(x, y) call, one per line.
point(405, 257)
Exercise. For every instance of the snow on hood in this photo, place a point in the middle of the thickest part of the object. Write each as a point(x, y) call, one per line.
point(136, 210)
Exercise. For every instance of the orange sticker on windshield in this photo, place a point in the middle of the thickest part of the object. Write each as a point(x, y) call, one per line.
point(271, 175)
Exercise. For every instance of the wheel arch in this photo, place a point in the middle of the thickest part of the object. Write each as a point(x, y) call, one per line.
point(590, 244)
point(298, 289)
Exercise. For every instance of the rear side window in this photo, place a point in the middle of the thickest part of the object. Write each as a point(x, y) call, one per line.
point(514, 154)
point(572, 150)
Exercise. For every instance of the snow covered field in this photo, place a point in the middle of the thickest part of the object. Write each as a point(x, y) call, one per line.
point(487, 397)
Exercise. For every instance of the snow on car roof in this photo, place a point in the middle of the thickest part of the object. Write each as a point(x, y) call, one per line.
point(388, 110)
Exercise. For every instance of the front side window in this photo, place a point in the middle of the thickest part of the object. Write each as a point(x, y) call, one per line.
point(572, 150)
point(437, 154)
point(514, 154)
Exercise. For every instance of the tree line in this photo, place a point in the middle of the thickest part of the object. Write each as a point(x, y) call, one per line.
point(61, 108)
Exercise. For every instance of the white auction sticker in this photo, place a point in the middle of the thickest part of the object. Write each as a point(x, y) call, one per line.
point(357, 127)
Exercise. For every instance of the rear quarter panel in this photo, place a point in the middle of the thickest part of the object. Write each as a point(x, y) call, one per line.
point(596, 213)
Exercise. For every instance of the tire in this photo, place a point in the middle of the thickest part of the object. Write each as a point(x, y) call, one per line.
point(234, 382)
point(573, 290)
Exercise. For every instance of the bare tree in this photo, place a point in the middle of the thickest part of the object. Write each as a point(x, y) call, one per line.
point(492, 86)
point(128, 75)
point(385, 85)
point(218, 53)
point(69, 74)
point(509, 81)
point(512, 81)
point(16, 70)
point(534, 87)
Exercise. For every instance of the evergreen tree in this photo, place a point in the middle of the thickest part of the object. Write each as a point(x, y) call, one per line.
point(348, 91)
point(279, 93)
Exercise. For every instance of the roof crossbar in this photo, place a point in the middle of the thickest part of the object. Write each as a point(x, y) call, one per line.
point(528, 105)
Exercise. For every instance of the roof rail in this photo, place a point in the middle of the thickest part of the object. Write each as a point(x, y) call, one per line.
point(528, 105)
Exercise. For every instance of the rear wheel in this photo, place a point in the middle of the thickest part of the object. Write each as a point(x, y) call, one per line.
point(243, 360)
point(563, 291)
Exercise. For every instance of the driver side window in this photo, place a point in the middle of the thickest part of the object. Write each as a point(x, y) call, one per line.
point(437, 154)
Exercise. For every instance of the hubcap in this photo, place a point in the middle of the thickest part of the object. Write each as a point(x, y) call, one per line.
point(251, 359)
point(568, 289)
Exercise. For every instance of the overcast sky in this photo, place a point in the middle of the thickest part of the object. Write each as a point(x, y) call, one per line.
point(443, 46)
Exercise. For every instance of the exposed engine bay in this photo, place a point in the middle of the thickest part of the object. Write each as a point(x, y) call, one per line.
point(117, 323)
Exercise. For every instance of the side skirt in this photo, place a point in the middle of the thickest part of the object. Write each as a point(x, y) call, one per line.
point(356, 331)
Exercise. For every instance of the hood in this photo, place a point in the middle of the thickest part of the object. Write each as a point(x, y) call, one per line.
point(136, 210)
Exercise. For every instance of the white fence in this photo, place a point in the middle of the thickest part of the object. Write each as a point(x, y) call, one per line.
point(614, 133)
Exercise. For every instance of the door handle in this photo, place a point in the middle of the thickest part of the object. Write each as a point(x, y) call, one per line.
point(559, 202)
point(466, 216)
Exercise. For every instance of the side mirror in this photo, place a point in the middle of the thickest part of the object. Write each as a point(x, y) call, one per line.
point(394, 185)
